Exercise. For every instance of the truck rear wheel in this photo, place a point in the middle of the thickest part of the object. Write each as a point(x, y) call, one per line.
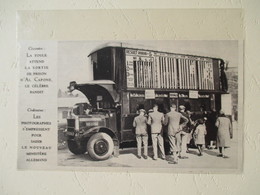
point(77, 148)
point(100, 146)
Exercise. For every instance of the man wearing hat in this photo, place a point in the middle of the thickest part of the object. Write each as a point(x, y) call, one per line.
point(140, 124)
point(75, 92)
point(155, 119)
point(173, 119)
point(183, 135)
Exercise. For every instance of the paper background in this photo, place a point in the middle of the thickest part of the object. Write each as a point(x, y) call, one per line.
point(49, 182)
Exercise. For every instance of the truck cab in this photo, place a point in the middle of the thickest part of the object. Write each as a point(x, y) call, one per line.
point(92, 127)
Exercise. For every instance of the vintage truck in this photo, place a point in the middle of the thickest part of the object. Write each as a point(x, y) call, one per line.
point(126, 79)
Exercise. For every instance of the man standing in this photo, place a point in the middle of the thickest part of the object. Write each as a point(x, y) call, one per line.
point(172, 119)
point(184, 133)
point(155, 119)
point(140, 124)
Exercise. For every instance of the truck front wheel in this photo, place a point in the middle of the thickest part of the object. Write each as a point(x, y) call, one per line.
point(100, 146)
point(77, 148)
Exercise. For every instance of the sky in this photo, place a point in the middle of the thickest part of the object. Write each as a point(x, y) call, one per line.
point(74, 63)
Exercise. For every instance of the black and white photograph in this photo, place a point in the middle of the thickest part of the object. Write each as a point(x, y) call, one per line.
point(170, 105)
point(129, 97)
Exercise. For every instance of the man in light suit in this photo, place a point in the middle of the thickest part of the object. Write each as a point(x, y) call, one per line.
point(140, 124)
point(172, 119)
point(156, 119)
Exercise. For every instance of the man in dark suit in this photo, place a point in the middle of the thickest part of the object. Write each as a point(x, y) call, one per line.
point(172, 119)
point(184, 133)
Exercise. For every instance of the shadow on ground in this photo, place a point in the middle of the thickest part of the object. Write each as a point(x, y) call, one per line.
point(211, 152)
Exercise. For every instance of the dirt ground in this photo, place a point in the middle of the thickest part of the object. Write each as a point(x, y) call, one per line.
point(127, 158)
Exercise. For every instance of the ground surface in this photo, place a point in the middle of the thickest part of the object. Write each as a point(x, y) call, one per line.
point(127, 158)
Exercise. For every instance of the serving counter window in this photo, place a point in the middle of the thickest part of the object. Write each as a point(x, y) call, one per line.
point(194, 105)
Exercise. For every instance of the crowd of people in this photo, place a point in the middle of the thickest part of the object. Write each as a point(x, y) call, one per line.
point(181, 129)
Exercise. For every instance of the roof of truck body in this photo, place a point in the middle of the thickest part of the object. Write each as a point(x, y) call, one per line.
point(98, 82)
point(141, 47)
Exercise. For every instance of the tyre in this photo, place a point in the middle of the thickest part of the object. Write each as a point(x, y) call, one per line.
point(100, 146)
point(77, 148)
